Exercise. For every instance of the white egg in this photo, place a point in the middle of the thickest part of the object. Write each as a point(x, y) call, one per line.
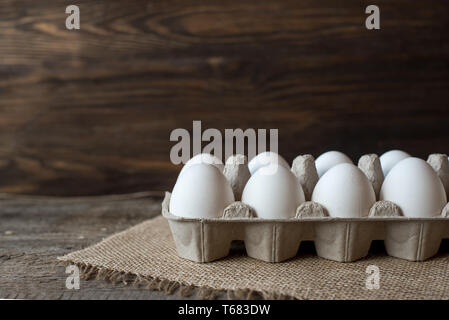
point(389, 159)
point(201, 192)
point(330, 159)
point(264, 159)
point(414, 186)
point(345, 192)
point(205, 158)
point(274, 193)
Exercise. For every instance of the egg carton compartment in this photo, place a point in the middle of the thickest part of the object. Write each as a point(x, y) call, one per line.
point(339, 239)
point(276, 240)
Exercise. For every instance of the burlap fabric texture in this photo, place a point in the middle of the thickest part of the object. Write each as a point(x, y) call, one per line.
point(146, 255)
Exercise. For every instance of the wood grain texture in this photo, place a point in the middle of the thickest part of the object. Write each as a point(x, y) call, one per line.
point(90, 111)
point(35, 231)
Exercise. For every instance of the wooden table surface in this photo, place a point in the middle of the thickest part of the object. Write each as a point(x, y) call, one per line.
point(34, 231)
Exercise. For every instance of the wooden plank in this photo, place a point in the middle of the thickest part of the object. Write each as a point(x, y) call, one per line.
point(34, 232)
point(92, 110)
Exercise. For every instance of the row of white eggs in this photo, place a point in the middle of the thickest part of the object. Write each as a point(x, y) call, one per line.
point(274, 192)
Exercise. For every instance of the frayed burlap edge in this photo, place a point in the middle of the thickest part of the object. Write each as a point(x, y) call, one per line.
point(90, 272)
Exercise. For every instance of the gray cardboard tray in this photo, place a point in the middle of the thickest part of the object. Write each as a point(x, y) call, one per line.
point(338, 239)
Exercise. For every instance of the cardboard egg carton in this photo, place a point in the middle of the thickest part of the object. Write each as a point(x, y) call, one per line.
point(338, 239)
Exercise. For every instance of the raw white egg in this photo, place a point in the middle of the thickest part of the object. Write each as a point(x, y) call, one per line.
point(274, 193)
point(330, 159)
point(264, 159)
point(205, 158)
point(201, 192)
point(345, 192)
point(389, 159)
point(415, 187)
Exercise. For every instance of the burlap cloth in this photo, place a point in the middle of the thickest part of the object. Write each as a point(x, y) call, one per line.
point(146, 254)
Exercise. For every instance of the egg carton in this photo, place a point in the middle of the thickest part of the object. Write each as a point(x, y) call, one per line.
point(338, 239)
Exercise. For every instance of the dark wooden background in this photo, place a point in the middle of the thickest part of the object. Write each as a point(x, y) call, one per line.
point(90, 111)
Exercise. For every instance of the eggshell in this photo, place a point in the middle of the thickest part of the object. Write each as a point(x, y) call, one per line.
point(201, 192)
point(264, 159)
point(414, 186)
point(274, 193)
point(389, 159)
point(330, 159)
point(205, 158)
point(345, 192)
